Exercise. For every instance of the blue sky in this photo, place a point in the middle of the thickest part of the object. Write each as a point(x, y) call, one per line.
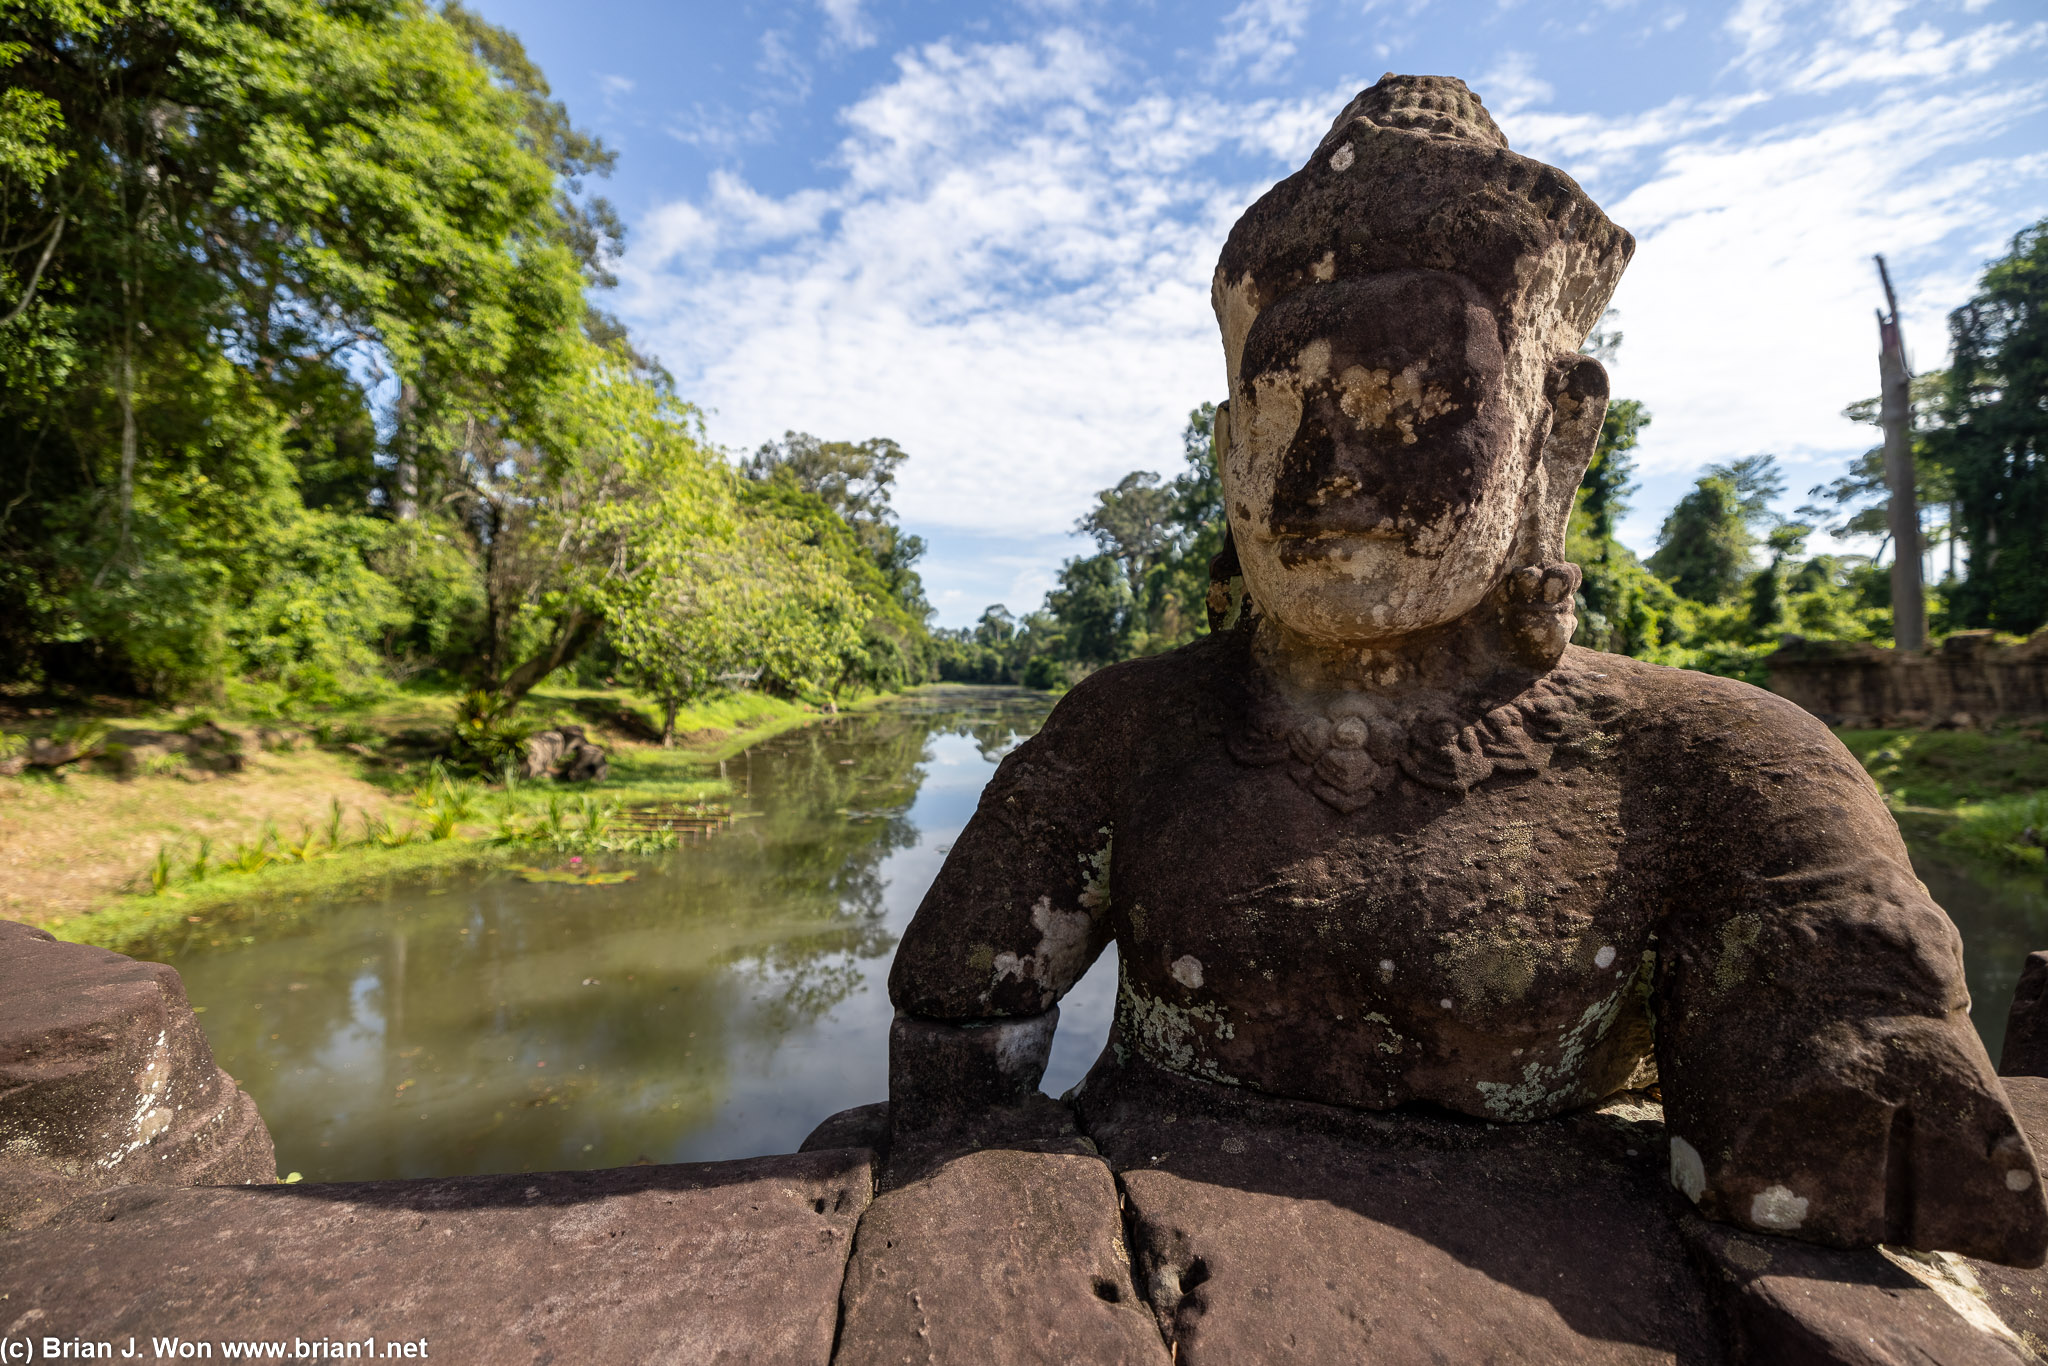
point(987, 230)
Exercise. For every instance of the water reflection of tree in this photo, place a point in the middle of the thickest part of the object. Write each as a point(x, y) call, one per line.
point(834, 803)
point(405, 1038)
point(837, 803)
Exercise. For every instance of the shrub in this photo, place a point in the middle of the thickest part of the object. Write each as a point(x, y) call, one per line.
point(485, 737)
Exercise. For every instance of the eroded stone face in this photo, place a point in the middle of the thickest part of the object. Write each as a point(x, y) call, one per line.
point(1377, 463)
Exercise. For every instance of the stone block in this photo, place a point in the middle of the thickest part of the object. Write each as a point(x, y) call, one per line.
point(997, 1257)
point(107, 1079)
point(1788, 1302)
point(1302, 1234)
point(719, 1262)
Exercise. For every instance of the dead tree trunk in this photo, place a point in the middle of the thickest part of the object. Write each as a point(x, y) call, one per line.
point(1909, 599)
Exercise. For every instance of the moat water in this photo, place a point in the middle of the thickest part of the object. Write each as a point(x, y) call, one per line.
point(717, 1006)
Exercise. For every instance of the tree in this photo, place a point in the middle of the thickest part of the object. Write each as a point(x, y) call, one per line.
point(1607, 486)
point(1093, 606)
point(1853, 504)
point(250, 215)
point(759, 598)
point(568, 531)
point(1704, 548)
point(1616, 607)
point(854, 479)
point(1132, 523)
point(1766, 590)
point(1993, 437)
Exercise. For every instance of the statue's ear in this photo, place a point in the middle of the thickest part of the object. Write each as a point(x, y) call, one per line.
point(1577, 391)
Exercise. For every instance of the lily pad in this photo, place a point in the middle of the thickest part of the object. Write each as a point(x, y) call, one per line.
point(570, 875)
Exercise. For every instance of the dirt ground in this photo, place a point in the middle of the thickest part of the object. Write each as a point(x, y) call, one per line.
point(69, 844)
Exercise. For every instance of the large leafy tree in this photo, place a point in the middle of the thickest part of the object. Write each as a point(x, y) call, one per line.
point(1993, 439)
point(1707, 545)
point(239, 219)
point(1132, 523)
point(1704, 548)
point(839, 491)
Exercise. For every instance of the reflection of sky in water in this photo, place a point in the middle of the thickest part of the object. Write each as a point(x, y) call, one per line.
point(717, 1007)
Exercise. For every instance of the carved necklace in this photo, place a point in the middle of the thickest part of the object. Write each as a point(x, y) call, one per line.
point(1354, 746)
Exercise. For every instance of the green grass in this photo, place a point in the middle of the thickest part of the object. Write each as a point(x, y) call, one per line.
point(222, 901)
point(1990, 787)
point(1944, 769)
point(269, 857)
point(2008, 831)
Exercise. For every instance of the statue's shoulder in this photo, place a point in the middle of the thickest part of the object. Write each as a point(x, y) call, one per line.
point(1685, 711)
point(1188, 674)
point(1190, 687)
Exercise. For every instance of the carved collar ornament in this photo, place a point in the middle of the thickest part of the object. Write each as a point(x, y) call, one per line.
point(1482, 714)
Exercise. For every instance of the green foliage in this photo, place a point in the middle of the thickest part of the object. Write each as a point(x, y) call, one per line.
point(850, 481)
point(1993, 439)
point(1705, 546)
point(2011, 830)
point(1146, 591)
point(484, 736)
point(1095, 609)
point(226, 235)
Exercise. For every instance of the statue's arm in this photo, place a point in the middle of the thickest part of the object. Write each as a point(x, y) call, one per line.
point(1821, 1076)
point(1016, 915)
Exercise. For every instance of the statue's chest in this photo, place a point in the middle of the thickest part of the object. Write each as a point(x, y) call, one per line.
point(1506, 901)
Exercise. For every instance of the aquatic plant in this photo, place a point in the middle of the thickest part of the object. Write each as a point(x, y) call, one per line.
point(442, 825)
point(202, 861)
point(333, 824)
point(575, 876)
point(304, 849)
point(160, 871)
point(249, 858)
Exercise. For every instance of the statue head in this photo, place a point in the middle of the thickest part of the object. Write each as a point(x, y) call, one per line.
point(1409, 413)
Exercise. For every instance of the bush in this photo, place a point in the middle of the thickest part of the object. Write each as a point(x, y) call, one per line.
point(1045, 672)
point(485, 737)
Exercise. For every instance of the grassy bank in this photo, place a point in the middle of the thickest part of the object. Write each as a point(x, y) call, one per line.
point(1988, 788)
point(325, 807)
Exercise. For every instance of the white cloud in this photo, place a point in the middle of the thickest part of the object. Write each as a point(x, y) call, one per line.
point(1260, 36)
point(1826, 45)
point(1005, 262)
point(1011, 278)
point(615, 86)
point(849, 28)
point(1512, 85)
point(1749, 300)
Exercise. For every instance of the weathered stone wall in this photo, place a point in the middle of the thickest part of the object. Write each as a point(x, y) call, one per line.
point(1966, 680)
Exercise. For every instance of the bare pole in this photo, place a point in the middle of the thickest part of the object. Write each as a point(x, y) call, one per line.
point(1909, 599)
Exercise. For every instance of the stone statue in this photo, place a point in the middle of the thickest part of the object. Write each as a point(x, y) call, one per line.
point(1386, 837)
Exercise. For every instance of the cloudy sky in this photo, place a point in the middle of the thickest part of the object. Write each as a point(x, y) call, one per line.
point(987, 230)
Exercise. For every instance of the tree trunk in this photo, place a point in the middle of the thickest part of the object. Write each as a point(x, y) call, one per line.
point(668, 723)
point(405, 501)
point(1909, 600)
point(575, 632)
